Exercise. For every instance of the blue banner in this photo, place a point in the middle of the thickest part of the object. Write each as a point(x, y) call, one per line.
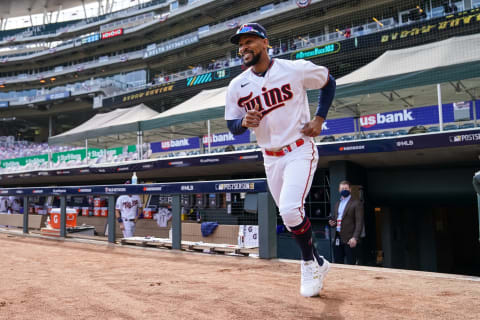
point(337, 126)
point(226, 138)
point(58, 95)
point(4, 104)
point(410, 117)
point(250, 185)
point(175, 145)
point(397, 119)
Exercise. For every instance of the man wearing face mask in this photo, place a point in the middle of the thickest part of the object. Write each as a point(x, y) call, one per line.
point(348, 223)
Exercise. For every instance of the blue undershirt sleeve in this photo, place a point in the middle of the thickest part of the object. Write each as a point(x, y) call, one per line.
point(325, 97)
point(235, 126)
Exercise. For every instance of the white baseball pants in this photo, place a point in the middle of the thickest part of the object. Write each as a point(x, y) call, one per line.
point(129, 229)
point(289, 179)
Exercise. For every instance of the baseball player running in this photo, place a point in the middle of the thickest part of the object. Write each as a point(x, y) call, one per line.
point(270, 97)
point(127, 211)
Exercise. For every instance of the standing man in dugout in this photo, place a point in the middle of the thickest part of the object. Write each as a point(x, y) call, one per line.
point(347, 220)
point(270, 97)
point(127, 211)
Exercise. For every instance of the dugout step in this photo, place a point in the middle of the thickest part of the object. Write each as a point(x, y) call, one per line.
point(190, 246)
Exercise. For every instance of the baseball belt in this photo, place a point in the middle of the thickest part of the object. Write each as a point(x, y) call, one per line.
point(286, 149)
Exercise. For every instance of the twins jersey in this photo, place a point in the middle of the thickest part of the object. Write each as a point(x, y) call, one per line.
point(128, 206)
point(281, 96)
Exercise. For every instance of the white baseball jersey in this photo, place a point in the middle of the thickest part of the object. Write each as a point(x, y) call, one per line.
point(163, 216)
point(4, 204)
point(128, 206)
point(282, 98)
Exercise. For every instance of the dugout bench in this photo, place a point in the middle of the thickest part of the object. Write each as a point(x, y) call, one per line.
point(267, 220)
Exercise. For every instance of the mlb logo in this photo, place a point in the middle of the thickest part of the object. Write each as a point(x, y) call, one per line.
point(457, 138)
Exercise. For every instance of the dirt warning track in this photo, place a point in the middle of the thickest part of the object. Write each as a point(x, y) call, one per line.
point(47, 279)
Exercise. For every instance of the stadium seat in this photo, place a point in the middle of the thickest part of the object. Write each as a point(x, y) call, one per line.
point(417, 129)
point(328, 139)
point(346, 138)
point(386, 134)
point(433, 129)
point(371, 135)
point(467, 125)
point(449, 127)
point(401, 132)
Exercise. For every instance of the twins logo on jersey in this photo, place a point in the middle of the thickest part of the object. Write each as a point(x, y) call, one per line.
point(130, 205)
point(268, 101)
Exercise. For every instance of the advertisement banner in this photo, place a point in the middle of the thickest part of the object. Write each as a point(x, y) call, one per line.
point(175, 145)
point(20, 162)
point(409, 117)
point(226, 138)
point(4, 104)
point(140, 95)
point(112, 33)
point(57, 95)
point(338, 126)
point(171, 45)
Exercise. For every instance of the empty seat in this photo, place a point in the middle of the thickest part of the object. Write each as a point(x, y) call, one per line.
point(386, 134)
point(450, 127)
point(401, 132)
point(433, 129)
point(467, 125)
point(328, 139)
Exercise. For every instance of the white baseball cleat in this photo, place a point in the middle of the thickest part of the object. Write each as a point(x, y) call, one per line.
point(312, 277)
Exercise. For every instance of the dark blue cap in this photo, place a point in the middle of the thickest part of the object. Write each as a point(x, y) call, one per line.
point(249, 28)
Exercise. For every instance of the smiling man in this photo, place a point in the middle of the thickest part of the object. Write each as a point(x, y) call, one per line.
point(270, 97)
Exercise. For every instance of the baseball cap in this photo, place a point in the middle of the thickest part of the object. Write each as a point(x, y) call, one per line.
point(249, 28)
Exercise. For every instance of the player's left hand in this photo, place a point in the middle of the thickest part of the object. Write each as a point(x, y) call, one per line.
point(352, 243)
point(314, 127)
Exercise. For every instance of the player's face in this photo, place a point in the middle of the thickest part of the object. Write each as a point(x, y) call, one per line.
point(251, 48)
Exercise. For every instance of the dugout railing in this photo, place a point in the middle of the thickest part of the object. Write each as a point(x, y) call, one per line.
point(267, 219)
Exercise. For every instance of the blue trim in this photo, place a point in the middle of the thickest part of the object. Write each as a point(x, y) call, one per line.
point(325, 97)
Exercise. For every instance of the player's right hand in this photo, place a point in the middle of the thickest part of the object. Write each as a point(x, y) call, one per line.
point(122, 227)
point(252, 118)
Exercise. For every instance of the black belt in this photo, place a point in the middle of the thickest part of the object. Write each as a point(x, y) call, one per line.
point(128, 219)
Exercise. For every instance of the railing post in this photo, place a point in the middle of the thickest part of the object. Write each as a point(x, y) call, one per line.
point(111, 219)
point(63, 216)
point(176, 223)
point(267, 225)
point(25, 214)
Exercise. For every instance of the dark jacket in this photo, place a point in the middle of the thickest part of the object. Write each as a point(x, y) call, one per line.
point(352, 220)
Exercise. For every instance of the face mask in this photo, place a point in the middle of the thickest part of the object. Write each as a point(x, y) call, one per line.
point(345, 193)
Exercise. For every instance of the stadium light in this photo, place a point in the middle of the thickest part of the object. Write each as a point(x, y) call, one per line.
point(53, 79)
point(42, 81)
point(2, 86)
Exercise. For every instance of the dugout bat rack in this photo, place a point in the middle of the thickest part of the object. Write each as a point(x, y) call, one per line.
point(267, 220)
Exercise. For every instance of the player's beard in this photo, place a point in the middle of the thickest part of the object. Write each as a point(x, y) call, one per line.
point(254, 61)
